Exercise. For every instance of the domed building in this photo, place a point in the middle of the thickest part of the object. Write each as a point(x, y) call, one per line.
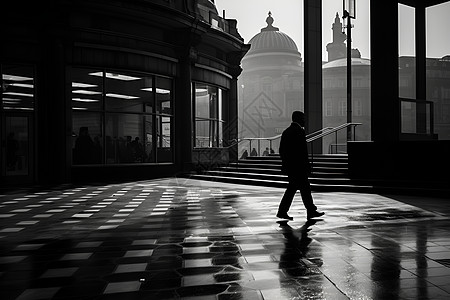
point(115, 90)
point(271, 85)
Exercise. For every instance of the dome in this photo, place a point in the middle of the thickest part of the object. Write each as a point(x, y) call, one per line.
point(270, 38)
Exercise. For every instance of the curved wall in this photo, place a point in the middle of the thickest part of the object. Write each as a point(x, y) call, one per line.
point(155, 43)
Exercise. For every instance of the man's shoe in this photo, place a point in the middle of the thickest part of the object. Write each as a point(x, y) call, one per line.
point(314, 214)
point(284, 216)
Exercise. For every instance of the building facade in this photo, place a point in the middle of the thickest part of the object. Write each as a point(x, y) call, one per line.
point(116, 90)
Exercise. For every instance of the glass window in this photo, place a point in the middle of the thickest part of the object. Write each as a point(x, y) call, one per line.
point(334, 69)
point(342, 108)
point(208, 112)
point(17, 144)
point(357, 108)
point(87, 141)
point(17, 87)
point(126, 138)
point(128, 93)
point(164, 95)
point(406, 47)
point(438, 66)
point(149, 142)
point(164, 133)
point(86, 90)
point(328, 108)
point(126, 107)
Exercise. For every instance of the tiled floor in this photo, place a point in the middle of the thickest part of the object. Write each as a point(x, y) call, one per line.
point(187, 239)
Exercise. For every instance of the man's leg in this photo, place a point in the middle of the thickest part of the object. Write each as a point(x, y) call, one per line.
point(305, 191)
point(288, 196)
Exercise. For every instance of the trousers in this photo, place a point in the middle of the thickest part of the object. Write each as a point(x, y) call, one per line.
point(297, 182)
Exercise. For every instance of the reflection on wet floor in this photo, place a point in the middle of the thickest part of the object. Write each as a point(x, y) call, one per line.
point(186, 239)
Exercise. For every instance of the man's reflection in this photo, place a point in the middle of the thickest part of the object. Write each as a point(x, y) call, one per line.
point(296, 244)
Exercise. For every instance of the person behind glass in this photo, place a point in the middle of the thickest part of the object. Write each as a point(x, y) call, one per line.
point(138, 150)
point(84, 147)
point(295, 164)
point(253, 153)
point(12, 147)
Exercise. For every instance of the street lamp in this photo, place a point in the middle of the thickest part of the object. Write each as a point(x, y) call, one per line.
point(349, 13)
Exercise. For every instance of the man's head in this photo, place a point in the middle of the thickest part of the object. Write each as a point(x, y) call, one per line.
point(298, 117)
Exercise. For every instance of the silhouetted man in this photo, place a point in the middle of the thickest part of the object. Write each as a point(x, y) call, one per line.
point(295, 164)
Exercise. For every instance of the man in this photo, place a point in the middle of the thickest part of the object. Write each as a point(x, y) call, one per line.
point(295, 164)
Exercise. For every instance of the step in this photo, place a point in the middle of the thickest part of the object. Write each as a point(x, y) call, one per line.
point(329, 172)
point(279, 177)
point(316, 167)
point(283, 184)
point(318, 172)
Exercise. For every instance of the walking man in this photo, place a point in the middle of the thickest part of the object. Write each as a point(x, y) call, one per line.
point(295, 164)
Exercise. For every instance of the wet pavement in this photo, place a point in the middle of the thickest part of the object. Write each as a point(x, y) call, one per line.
point(188, 239)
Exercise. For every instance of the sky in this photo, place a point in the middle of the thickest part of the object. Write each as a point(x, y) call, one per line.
point(288, 17)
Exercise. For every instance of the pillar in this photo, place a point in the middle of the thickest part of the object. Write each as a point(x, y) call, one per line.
point(183, 115)
point(313, 68)
point(385, 105)
point(421, 78)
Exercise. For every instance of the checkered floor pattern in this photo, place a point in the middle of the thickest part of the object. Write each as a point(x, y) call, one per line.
point(186, 239)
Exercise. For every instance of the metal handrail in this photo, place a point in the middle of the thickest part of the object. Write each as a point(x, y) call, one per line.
point(333, 130)
point(309, 137)
point(270, 139)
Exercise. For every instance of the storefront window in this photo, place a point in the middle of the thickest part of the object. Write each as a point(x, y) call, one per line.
point(17, 88)
point(125, 136)
point(17, 100)
point(163, 96)
point(118, 121)
point(87, 90)
point(125, 93)
point(208, 116)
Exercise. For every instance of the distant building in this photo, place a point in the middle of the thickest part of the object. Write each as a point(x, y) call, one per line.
point(271, 87)
point(437, 90)
point(335, 91)
point(271, 84)
point(335, 101)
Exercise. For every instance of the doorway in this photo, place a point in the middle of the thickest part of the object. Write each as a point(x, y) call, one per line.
point(17, 148)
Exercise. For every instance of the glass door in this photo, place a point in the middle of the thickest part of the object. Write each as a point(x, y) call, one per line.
point(17, 148)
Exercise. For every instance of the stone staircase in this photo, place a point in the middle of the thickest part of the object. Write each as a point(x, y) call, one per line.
point(329, 173)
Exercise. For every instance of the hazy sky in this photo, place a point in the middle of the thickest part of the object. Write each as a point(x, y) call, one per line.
point(288, 17)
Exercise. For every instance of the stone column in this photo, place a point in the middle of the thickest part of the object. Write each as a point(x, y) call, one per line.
point(385, 107)
point(183, 115)
point(421, 78)
point(313, 68)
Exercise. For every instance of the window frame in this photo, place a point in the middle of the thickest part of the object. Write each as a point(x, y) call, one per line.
point(216, 124)
point(105, 113)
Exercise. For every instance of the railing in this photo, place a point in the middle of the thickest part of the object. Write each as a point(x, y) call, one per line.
point(222, 154)
point(270, 140)
point(334, 130)
point(310, 138)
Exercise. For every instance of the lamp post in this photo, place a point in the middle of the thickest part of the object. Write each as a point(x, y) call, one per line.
point(349, 13)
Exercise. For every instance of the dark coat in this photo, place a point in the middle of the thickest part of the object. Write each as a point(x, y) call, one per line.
point(294, 151)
